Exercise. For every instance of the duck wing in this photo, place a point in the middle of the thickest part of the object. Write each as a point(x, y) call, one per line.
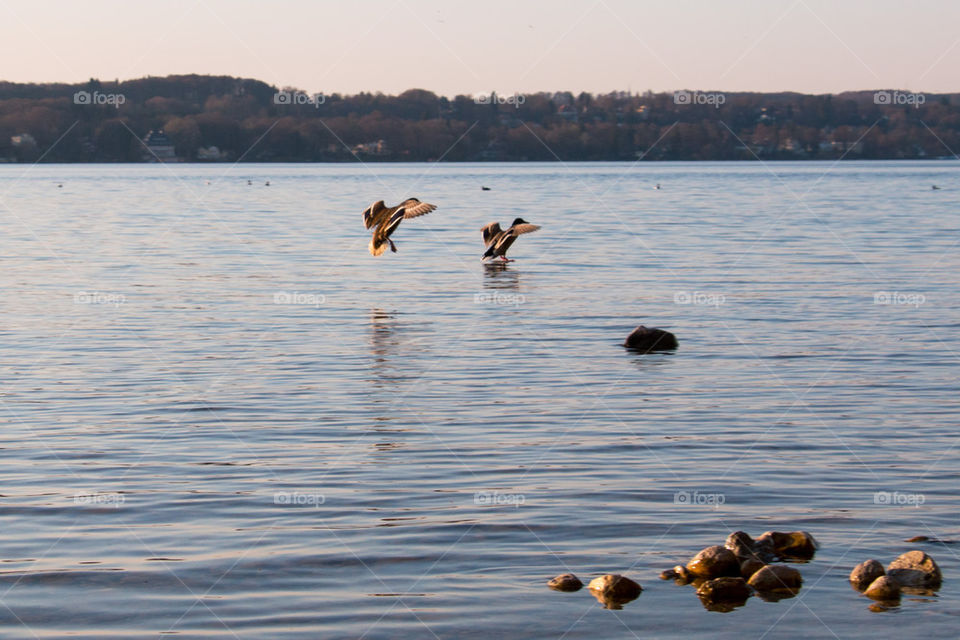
point(490, 232)
point(520, 229)
point(375, 214)
point(414, 208)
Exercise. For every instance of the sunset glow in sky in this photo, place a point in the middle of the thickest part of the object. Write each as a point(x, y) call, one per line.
point(812, 46)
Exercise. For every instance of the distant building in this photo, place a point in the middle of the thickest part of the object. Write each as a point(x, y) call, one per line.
point(159, 147)
point(377, 148)
point(791, 145)
point(210, 153)
point(568, 113)
point(23, 140)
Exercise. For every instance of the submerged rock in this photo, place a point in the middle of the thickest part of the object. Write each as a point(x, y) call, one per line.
point(745, 547)
point(776, 577)
point(915, 569)
point(646, 339)
point(566, 582)
point(725, 589)
point(678, 574)
point(795, 545)
point(613, 591)
point(714, 562)
point(883, 588)
point(865, 573)
point(929, 539)
point(750, 566)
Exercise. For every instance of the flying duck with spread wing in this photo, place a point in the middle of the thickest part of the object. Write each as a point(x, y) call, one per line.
point(384, 221)
point(499, 240)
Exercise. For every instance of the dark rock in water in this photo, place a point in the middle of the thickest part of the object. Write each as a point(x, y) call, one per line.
point(883, 588)
point(865, 573)
point(740, 543)
point(646, 339)
point(678, 574)
point(915, 569)
point(723, 594)
point(745, 547)
point(725, 589)
point(929, 539)
point(613, 591)
point(566, 582)
point(778, 594)
point(750, 566)
point(714, 562)
point(796, 545)
point(776, 577)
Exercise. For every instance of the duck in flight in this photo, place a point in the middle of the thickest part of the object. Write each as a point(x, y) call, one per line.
point(498, 240)
point(384, 221)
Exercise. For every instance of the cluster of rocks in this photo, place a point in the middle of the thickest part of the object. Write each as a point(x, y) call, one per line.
point(611, 590)
point(913, 572)
point(726, 576)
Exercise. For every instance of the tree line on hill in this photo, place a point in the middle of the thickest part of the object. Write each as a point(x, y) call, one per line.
point(219, 118)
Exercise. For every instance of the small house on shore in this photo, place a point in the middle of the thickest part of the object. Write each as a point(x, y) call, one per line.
point(158, 147)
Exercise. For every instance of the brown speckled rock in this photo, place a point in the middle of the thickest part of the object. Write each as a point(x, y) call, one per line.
point(649, 339)
point(915, 569)
point(566, 582)
point(865, 573)
point(775, 577)
point(749, 567)
point(883, 588)
point(678, 574)
point(714, 562)
point(725, 590)
point(612, 590)
point(795, 545)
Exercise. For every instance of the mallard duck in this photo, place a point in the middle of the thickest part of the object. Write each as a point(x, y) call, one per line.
point(498, 240)
point(386, 220)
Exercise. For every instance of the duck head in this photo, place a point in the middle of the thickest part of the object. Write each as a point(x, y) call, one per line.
point(519, 221)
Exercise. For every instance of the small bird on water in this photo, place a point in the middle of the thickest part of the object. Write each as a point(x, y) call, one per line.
point(498, 240)
point(384, 221)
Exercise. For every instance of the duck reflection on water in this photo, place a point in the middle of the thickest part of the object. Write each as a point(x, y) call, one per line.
point(499, 275)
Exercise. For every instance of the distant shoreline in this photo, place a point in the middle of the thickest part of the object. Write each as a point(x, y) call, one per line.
point(222, 119)
point(485, 162)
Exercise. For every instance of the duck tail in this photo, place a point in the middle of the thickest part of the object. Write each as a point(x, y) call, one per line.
point(377, 249)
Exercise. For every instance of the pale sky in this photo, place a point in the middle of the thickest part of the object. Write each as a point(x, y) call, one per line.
point(811, 46)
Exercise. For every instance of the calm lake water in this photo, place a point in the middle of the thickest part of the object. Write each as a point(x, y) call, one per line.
point(222, 418)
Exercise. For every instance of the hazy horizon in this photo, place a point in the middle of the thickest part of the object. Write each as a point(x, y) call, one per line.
point(806, 46)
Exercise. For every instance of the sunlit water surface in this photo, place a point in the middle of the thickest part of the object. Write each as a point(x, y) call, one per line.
point(223, 418)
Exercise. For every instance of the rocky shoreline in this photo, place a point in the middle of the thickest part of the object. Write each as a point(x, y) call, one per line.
point(726, 576)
